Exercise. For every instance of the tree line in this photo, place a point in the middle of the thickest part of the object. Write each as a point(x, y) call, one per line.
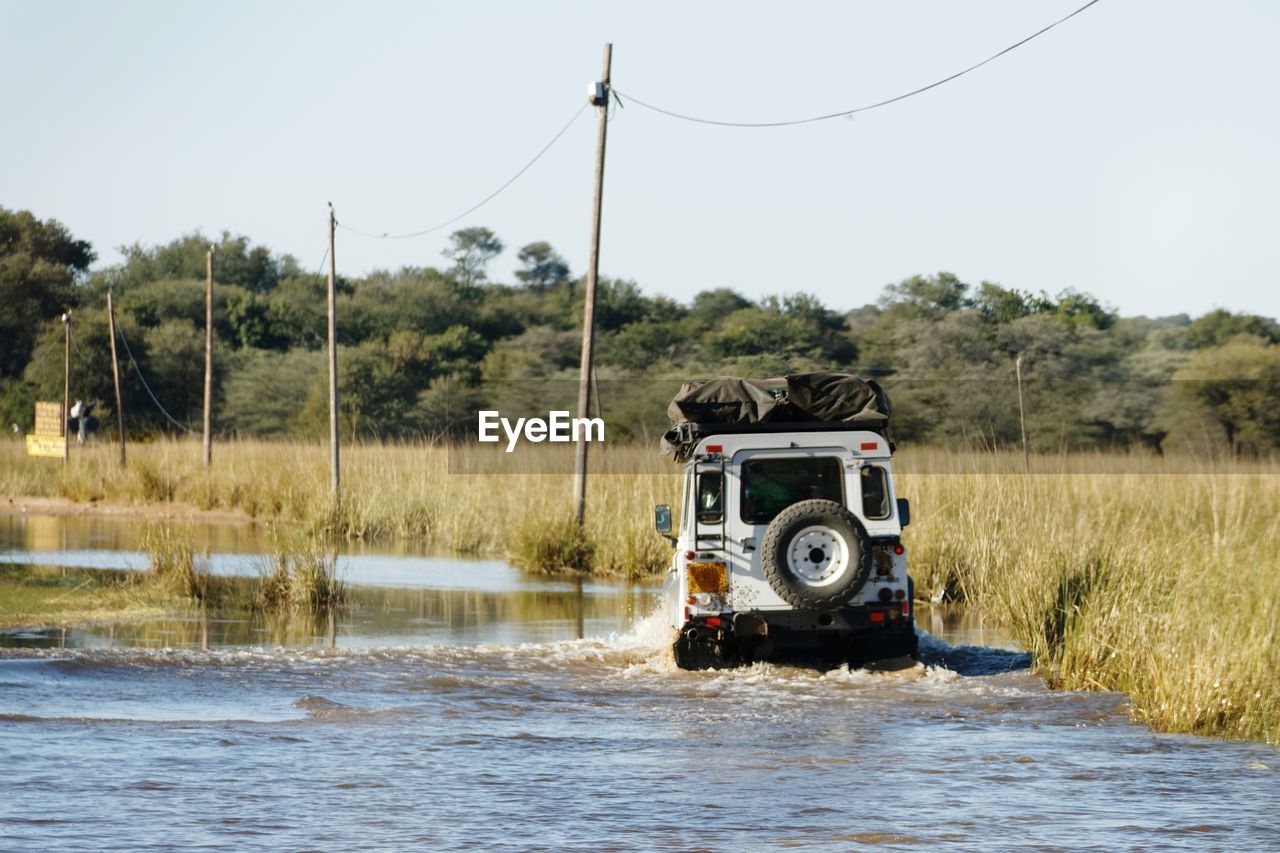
point(423, 348)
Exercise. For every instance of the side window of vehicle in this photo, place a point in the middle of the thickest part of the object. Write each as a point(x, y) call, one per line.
point(875, 492)
point(710, 508)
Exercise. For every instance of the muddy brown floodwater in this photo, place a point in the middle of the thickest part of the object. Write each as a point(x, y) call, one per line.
point(464, 704)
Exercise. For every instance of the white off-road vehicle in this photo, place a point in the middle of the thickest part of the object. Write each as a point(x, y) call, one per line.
point(789, 542)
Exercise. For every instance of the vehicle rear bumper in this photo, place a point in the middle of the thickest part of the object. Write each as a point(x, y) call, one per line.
point(852, 635)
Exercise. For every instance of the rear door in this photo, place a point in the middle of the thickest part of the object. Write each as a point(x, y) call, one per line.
point(759, 485)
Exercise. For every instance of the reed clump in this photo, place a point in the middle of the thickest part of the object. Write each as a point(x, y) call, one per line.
point(175, 569)
point(552, 545)
point(300, 577)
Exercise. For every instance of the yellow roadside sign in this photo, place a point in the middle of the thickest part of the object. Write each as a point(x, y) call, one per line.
point(49, 419)
point(48, 439)
point(46, 445)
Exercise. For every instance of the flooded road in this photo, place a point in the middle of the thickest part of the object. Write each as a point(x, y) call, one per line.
point(486, 722)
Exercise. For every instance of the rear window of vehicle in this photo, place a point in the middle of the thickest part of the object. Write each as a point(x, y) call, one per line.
point(710, 500)
point(875, 492)
point(771, 485)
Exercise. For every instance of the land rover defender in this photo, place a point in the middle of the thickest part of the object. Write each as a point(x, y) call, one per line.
point(789, 543)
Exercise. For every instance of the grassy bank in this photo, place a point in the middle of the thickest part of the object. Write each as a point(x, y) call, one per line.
point(1157, 577)
point(1163, 584)
point(39, 595)
point(297, 577)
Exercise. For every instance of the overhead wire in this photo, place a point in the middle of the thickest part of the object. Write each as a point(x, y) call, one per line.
point(855, 110)
point(143, 379)
point(490, 197)
point(150, 393)
point(76, 344)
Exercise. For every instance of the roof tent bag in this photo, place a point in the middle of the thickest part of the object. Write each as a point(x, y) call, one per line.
point(820, 400)
point(824, 396)
point(829, 396)
point(726, 400)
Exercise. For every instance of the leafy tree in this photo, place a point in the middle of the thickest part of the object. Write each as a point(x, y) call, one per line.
point(999, 305)
point(1131, 405)
point(1235, 387)
point(620, 303)
point(797, 328)
point(1081, 308)
point(931, 297)
point(471, 249)
point(417, 299)
point(541, 267)
point(267, 394)
point(711, 306)
point(235, 262)
point(1219, 326)
point(40, 266)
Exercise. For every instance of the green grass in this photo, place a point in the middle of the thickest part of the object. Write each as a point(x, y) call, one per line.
point(39, 595)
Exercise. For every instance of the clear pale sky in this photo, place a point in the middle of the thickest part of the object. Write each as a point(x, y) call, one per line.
point(1130, 152)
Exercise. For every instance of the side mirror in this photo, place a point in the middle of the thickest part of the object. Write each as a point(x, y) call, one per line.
point(904, 512)
point(662, 518)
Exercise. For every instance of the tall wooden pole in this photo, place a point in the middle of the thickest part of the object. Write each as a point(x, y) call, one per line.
point(1022, 417)
point(333, 359)
point(601, 99)
point(66, 388)
point(208, 357)
point(115, 374)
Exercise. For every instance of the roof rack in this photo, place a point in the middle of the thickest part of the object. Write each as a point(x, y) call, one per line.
point(680, 439)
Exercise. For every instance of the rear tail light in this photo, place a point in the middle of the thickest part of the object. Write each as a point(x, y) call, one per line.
point(876, 615)
point(900, 594)
point(899, 549)
point(886, 594)
point(713, 621)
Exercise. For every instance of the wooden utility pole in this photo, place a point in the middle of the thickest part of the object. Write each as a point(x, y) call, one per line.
point(115, 374)
point(1022, 417)
point(208, 357)
point(600, 98)
point(333, 359)
point(66, 388)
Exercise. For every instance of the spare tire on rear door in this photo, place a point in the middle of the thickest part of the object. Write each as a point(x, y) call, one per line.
point(814, 555)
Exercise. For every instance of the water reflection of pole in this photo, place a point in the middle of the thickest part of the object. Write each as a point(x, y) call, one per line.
point(333, 630)
point(204, 633)
point(580, 628)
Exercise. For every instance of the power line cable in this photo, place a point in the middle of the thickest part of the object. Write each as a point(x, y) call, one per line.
point(490, 197)
point(863, 109)
point(84, 358)
point(150, 393)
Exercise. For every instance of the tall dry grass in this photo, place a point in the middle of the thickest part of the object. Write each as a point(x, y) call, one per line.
point(1157, 577)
